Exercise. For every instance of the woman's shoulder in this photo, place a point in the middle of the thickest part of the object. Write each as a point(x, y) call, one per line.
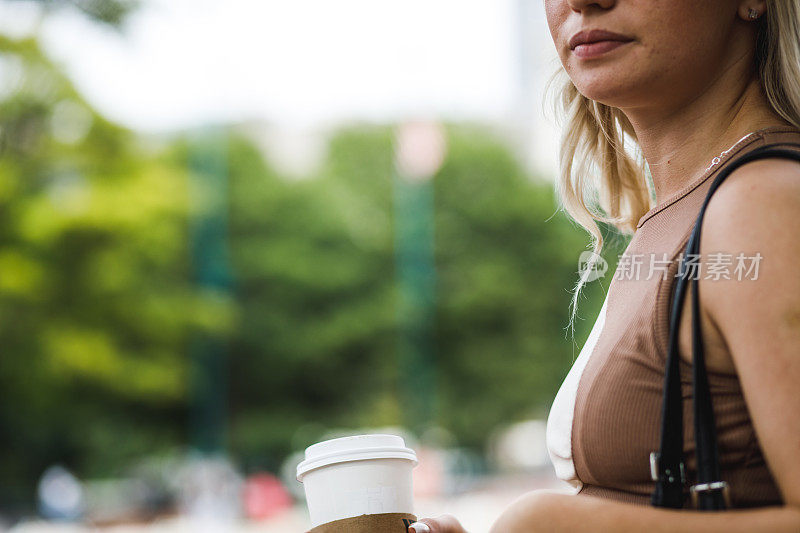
point(756, 207)
point(759, 195)
point(755, 213)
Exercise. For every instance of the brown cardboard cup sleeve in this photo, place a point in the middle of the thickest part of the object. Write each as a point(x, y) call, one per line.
point(369, 523)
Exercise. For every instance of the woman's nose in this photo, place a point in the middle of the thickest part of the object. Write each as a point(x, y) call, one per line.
point(585, 5)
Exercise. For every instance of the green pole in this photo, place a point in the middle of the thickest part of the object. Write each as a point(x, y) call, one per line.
point(416, 279)
point(208, 171)
point(419, 153)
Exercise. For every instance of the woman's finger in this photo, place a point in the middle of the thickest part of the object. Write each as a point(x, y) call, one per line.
point(441, 524)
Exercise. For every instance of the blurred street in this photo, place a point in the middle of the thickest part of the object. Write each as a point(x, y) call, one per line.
point(476, 510)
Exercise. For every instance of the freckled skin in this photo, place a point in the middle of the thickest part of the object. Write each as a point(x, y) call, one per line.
point(679, 47)
point(793, 318)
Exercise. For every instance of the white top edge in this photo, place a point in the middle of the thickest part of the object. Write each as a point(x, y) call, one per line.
point(562, 412)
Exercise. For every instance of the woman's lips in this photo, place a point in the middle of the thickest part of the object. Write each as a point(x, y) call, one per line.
point(596, 48)
point(595, 42)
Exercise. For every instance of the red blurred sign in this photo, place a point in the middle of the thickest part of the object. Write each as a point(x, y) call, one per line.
point(265, 496)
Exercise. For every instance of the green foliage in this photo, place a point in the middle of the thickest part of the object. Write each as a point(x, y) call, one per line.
point(505, 264)
point(96, 302)
point(316, 282)
point(110, 12)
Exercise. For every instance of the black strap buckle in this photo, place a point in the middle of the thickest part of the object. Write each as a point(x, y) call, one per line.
point(655, 470)
point(721, 486)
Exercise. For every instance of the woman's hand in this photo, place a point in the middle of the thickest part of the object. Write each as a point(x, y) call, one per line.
point(442, 524)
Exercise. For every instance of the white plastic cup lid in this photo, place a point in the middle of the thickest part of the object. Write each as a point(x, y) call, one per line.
point(356, 448)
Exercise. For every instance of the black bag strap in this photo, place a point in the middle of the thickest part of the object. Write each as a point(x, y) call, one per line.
point(667, 466)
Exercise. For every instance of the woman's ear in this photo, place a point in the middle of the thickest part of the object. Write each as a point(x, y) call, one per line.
point(752, 10)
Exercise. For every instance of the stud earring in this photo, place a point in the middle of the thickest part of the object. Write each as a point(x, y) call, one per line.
point(753, 14)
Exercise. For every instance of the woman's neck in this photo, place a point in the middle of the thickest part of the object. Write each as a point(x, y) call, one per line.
point(679, 143)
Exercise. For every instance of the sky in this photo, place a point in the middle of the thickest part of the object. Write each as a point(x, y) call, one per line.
point(300, 64)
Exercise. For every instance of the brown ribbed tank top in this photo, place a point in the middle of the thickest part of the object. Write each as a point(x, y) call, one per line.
point(617, 416)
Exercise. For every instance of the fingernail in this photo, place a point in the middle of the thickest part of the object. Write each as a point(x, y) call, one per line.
point(419, 527)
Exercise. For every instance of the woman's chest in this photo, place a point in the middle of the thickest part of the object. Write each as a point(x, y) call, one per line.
point(617, 416)
point(618, 404)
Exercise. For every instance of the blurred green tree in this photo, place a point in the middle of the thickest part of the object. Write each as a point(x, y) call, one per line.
point(110, 12)
point(315, 276)
point(95, 299)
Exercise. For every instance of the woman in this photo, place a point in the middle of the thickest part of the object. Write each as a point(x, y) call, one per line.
point(693, 85)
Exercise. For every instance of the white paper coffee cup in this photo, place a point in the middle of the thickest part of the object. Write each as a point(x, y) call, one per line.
point(353, 476)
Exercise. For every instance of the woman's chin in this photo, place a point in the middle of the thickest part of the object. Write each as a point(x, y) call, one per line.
point(609, 92)
point(613, 82)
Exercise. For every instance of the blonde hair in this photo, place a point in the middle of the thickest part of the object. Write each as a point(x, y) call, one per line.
point(602, 172)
